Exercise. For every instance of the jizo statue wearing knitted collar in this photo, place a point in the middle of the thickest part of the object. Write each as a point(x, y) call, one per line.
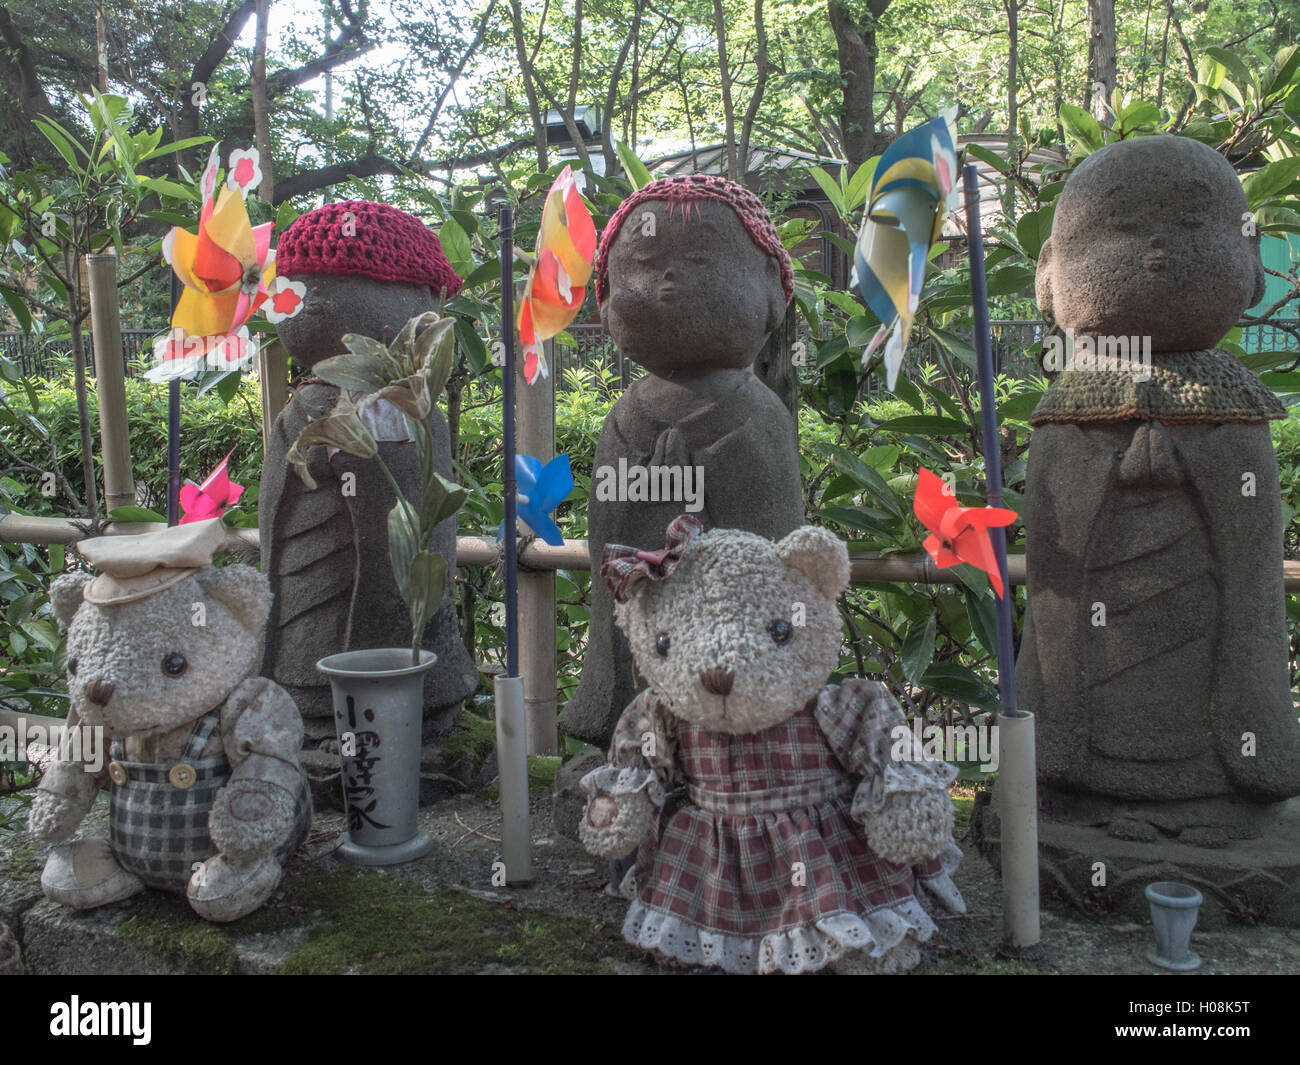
point(368, 268)
point(691, 279)
point(1155, 650)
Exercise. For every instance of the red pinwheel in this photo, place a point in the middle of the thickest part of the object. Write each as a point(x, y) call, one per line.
point(211, 498)
point(957, 533)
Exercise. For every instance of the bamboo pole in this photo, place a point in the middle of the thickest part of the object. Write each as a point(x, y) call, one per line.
point(76, 308)
point(273, 376)
point(110, 381)
point(866, 566)
point(537, 618)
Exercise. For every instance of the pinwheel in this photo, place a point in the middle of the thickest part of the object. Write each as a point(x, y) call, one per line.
point(914, 184)
point(225, 267)
point(210, 499)
point(566, 249)
point(541, 490)
point(957, 533)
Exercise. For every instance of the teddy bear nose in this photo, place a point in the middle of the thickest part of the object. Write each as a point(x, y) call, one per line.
point(99, 692)
point(718, 680)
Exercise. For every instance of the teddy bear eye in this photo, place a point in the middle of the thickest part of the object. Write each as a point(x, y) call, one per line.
point(781, 631)
point(662, 643)
point(72, 667)
point(174, 665)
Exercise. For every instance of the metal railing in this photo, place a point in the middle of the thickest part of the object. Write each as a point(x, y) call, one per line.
point(37, 356)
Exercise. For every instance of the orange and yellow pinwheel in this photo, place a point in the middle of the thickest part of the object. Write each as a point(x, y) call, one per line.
point(557, 284)
point(226, 266)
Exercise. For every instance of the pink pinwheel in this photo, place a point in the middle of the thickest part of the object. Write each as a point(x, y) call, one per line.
point(199, 502)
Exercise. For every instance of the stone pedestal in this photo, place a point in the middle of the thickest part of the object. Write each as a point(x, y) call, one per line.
point(1098, 856)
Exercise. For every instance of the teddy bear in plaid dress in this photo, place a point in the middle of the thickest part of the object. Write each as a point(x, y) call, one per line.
point(781, 824)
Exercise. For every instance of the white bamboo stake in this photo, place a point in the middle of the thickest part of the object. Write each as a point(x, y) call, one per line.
point(535, 408)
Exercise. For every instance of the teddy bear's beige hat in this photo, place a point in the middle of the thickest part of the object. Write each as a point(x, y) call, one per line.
point(139, 565)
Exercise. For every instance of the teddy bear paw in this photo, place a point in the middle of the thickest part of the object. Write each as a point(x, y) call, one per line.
point(53, 817)
point(84, 874)
point(221, 891)
point(910, 827)
point(250, 818)
point(613, 826)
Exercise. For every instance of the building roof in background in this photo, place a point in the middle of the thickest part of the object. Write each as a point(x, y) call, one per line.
point(711, 159)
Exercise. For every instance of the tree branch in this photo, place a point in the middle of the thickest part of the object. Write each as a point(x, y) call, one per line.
point(455, 76)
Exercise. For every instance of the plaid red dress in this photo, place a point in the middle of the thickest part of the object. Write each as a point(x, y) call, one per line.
point(757, 864)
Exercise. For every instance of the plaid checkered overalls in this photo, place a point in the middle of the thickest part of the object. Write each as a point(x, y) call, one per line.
point(159, 827)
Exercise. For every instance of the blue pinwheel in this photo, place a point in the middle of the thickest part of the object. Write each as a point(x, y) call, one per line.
point(541, 490)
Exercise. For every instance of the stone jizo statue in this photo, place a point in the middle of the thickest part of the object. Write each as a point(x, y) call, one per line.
point(368, 268)
point(1155, 650)
point(691, 278)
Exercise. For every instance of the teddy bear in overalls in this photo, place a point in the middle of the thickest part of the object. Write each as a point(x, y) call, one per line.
point(207, 797)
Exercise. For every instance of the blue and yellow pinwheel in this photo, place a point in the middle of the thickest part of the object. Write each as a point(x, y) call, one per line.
point(540, 490)
point(914, 185)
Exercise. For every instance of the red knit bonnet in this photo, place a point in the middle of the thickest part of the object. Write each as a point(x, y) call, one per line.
point(683, 188)
point(380, 242)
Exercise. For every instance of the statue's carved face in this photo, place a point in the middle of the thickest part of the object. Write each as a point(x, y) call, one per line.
point(336, 304)
point(689, 291)
point(1151, 238)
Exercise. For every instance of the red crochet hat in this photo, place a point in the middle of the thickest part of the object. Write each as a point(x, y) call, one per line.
point(369, 239)
point(683, 188)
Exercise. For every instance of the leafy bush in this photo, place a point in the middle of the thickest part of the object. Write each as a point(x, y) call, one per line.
point(210, 428)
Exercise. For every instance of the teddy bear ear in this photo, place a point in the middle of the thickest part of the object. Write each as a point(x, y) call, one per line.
point(819, 555)
point(66, 594)
point(241, 588)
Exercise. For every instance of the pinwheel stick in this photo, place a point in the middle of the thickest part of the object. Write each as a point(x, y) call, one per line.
point(989, 424)
point(174, 429)
point(1017, 788)
point(511, 720)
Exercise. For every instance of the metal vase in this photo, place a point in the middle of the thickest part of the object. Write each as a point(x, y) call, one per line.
point(1174, 909)
point(378, 707)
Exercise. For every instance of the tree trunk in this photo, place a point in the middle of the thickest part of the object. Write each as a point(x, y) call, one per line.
point(525, 69)
point(1013, 153)
point(261, 121)
point(1101, 57)
point(728, 113)
point(855, 45)
point(611, 95)
point(1164, 54)
point(762, 68)
point(101, 45)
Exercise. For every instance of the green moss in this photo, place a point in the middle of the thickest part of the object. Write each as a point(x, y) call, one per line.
point(962, 806)
point(541, 778)
point(380, 924)
point(24, 864)
point(541, 772)
point(164, 925)
point(473, 738)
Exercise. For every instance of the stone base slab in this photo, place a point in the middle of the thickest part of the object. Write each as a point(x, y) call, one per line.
point(1098, 866)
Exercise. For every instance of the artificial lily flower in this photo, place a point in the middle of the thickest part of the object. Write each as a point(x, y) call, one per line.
point(341, 429)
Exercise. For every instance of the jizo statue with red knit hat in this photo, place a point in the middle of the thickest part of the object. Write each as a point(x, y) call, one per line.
point(691, 278)
point(368, 268)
